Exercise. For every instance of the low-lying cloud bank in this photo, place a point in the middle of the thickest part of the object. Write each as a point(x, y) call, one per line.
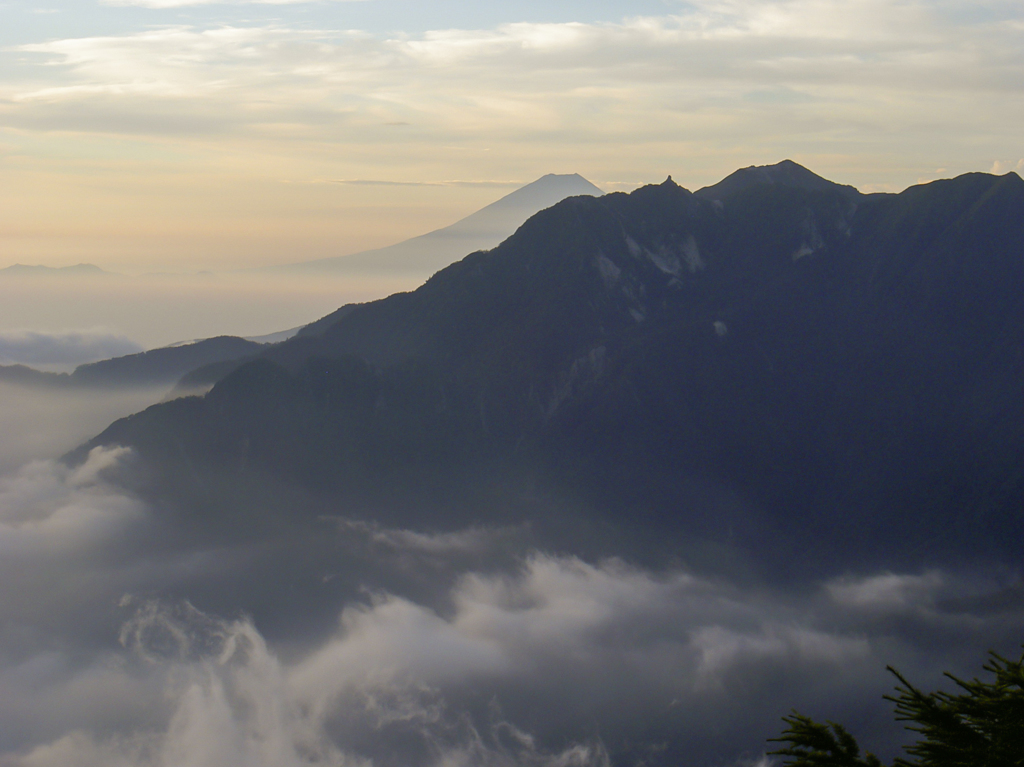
point(186, 3)
point(72, 347)
point(541, 660)
point(40, 423)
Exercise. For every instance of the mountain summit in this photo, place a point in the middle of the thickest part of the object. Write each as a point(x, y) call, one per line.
point(482, 230)
point(784, 174)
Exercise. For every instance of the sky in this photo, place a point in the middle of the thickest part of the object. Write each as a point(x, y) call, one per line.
point(190, 134)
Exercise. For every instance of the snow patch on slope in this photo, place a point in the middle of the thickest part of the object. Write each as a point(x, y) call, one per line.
point(610, 273)
point(666, 261)
point(691, 253)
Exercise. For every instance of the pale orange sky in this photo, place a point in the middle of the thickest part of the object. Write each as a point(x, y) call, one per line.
point(195, 134)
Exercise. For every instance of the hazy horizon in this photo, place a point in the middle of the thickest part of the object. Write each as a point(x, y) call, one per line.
point(155, 309)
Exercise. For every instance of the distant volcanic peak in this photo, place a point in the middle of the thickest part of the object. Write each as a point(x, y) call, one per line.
point(555, 177)
point(784, 174)
point(547, 190)
point(482, 230)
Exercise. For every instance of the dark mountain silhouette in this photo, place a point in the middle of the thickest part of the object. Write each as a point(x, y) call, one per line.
point(157, 367)
point(321, 326)
point(165, 365)
point(815, 378)
point(482, 230)
point(205, 376)
point(23, 375)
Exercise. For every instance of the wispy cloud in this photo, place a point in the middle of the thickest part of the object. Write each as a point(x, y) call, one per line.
point(381, 182)
point(835, 61)
point(186, 3)
point(760, 42)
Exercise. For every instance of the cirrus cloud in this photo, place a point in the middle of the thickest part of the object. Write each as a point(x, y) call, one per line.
point(186, 3)
point(851, 55)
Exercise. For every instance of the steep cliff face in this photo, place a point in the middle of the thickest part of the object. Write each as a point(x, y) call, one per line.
point(774, 363)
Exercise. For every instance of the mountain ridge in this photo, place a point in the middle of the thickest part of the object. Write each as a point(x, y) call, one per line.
point(164, 366)
point(669, 362)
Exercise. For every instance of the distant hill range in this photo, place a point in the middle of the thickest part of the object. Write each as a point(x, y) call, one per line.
point(482, 230)
point(157, 367)
point(78, 270)
point(776, 369)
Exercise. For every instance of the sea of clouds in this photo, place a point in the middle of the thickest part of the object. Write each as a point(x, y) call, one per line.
point(71, 347)
point(125, 639)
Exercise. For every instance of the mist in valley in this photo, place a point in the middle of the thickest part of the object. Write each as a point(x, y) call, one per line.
point(41, 424)
point(159, 309)
point(138, 634)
